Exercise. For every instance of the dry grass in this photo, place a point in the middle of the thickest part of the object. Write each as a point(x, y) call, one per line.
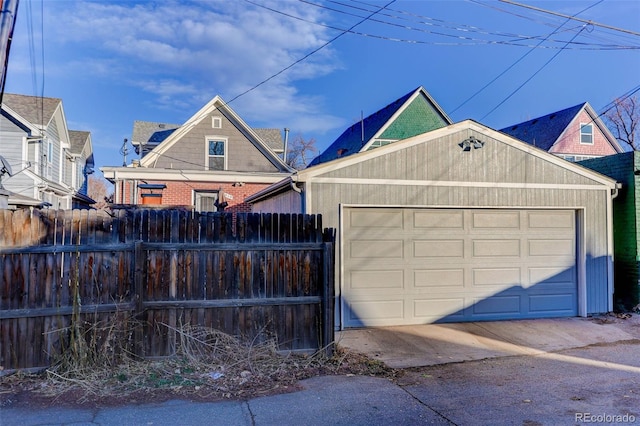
point(209, 365)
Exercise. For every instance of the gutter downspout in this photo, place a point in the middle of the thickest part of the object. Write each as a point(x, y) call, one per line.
point(294, 186)
point(286, 145)
point(610, 287)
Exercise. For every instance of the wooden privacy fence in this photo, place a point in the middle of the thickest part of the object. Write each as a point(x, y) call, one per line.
point(254, 276)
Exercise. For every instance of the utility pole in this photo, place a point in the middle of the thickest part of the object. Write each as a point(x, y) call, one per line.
point(8, 12)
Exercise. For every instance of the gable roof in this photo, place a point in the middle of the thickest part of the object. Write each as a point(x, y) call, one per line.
point(543, 132)
point(77, 140)
point(214, 104)
point(37, 110)
point(272, 137)
point(360, 135)
point(324, 169)
point(150, 133)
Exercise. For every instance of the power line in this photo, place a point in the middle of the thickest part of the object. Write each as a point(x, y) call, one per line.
point(310, 53)
point(520, 59)
point(432, 22)
point(595, 24)
point(295, 62)
point(530, 78)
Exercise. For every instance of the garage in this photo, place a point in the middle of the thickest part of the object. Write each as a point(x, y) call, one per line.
point(462, 223)
point(415, 266)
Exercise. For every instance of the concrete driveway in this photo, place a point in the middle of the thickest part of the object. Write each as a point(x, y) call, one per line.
point(432, 344)
point(529, 372)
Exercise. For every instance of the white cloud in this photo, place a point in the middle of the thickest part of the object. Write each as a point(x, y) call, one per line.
point(226, 45)
point(182, 53)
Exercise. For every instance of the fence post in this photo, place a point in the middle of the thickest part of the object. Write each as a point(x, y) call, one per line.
point(138, 289)
point(328, 290)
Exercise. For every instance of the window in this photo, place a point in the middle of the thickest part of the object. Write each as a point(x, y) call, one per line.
point(205, 201)
point(586, 133)
point(216, 149)
point(79, 174)
point(47, 159)
point(216, 122)
point(381, 142)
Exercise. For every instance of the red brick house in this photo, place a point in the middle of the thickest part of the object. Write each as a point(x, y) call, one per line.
point(575, 134)
point(211, 162)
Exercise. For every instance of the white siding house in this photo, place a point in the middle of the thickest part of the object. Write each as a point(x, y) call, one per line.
point(50, 168)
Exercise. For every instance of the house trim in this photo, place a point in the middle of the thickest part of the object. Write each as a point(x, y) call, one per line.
point(401, 182)
point(119, 173)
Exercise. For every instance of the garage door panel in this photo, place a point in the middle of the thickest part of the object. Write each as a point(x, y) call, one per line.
point(559, 274)
point(497, 277)
point(382, 218)
point(376, 312)
point(552, 247)
point(436, 308)
point(439, 248)
point(368, 249)
point(439, 279)
point(495, 220)
point(438, 219)
point(451, 265)
point(496, 305)
point(496, 248)
point(376, 279)
point(553, 303)
point(552, 219)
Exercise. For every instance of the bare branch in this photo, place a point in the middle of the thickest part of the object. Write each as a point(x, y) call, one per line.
point(301, 152)
point(623, 119)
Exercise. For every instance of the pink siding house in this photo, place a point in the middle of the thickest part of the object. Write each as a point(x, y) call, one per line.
point(575, 134)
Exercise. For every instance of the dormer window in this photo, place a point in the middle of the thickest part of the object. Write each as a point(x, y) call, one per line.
point(586, 134)
point(216, 122)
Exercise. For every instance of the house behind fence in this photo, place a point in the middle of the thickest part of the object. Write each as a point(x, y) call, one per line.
point(254, 276)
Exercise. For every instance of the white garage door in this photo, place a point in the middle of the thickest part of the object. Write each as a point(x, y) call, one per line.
point(417, 266)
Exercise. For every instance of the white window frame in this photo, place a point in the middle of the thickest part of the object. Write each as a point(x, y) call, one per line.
point(206, 150)
point(198, 194)
point(47, 163)
point(79, 174)
point(216, 122)
point(377, 143)
point(584, 125)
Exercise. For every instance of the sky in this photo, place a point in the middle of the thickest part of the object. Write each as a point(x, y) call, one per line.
point(317, 66)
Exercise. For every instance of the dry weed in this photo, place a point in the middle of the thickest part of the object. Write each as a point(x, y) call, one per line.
point(209, 365)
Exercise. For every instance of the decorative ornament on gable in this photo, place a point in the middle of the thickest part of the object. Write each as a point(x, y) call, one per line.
point(471, 142)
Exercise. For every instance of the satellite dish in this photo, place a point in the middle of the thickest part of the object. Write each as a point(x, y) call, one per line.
point(5, 168)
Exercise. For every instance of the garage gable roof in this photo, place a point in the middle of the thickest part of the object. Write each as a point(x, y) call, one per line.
point(321, 169)
point(325, 172)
